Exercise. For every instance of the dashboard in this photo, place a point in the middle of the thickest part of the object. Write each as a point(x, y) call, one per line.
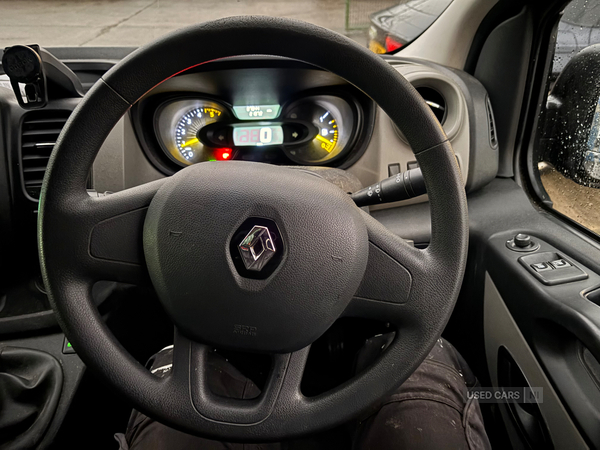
point(277, 112)
point(256, 108)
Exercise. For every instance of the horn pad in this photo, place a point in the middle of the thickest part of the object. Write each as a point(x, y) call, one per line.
point(253, 257)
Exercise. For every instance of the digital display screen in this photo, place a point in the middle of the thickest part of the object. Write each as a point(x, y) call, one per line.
point(256, 112)
point(270, 135)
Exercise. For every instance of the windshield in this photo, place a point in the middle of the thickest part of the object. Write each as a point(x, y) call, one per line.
point(131, 23)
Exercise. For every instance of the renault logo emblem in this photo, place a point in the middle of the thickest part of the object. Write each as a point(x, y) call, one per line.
point(257, 248)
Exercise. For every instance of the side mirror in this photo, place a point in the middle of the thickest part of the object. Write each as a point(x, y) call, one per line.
point(570, 125)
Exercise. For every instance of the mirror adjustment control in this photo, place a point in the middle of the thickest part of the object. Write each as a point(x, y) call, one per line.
point(522, 243)
point(522, 240)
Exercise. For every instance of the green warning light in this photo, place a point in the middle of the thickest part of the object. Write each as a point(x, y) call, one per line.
point(67, 347)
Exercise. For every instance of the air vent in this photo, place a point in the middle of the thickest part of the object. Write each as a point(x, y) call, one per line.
point(491, 124)
point(435, 101)
point(39, 133)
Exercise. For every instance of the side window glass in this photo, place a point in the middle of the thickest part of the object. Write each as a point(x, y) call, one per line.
point(568, 143)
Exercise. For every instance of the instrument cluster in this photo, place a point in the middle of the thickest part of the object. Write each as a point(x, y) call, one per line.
point(316, 129)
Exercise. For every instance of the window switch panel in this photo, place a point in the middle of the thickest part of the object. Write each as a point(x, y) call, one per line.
point(552, 268)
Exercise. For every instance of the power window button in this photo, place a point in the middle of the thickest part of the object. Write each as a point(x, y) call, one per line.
point(560, 263)
point(541, 267)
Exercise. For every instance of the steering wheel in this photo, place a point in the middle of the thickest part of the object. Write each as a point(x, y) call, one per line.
point(326, 258)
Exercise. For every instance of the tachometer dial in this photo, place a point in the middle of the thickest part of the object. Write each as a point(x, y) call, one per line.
point(188, 144)
point(179, 124)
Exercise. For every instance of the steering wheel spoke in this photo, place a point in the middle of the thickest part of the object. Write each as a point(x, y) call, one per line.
point(194, 367)
point(393, 268)
point(108, 241)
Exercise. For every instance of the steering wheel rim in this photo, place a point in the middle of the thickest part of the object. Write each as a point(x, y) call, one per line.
point(414, 289)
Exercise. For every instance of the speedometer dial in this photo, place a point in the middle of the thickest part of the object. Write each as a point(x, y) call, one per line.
point(179, 124)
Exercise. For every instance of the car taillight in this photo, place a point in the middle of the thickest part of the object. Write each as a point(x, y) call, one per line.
point(391, 44)
point(376, 47)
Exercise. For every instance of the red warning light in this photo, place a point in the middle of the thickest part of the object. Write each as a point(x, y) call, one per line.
point(223, 154)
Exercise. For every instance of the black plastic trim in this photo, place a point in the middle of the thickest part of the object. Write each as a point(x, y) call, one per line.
point(483, 156)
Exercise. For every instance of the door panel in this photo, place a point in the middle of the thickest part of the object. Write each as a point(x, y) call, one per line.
point(557, 322)
point(501, 331)
point(551, 332)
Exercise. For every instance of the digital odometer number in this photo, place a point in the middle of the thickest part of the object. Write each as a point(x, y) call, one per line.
point(271, 135)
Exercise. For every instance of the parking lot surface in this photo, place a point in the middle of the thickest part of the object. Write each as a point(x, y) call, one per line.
point(128, 23)
point(577, 202)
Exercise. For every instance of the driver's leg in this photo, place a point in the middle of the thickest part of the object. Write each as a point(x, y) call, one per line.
point(431, 410)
